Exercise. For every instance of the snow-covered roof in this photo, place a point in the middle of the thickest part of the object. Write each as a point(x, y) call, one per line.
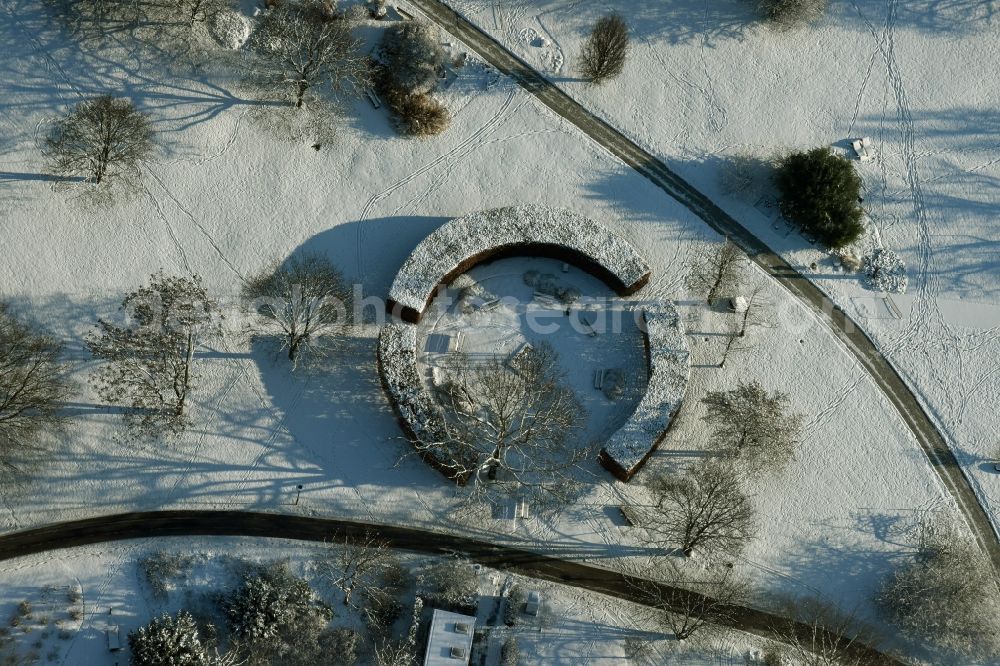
point(450, 639)
point(669, 363)
point(468, 240)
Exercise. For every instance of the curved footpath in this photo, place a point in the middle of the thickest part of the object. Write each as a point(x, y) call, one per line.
point(140, 525)
point(942, 459)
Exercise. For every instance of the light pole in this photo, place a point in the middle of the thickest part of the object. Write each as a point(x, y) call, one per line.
point(298, 492)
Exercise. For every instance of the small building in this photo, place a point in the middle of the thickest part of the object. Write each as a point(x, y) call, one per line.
point(450, 639)
point(534, 601)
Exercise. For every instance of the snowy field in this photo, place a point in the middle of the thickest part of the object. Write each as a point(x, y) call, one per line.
point(226, 196)
point(704, 82)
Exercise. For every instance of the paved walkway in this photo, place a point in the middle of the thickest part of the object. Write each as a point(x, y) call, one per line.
point(141, 525)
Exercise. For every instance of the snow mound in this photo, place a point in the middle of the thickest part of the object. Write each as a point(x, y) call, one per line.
point(230, 29)
point(669, 369)
point(537, 230)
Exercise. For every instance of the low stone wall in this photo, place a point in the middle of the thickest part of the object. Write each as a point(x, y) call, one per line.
point(517, 231)
point(534, 231)
point(669, 369)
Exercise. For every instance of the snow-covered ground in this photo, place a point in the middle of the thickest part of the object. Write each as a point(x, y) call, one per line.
point(226, 196)
point(77, 595)
point(705, 81)
point(520, 318)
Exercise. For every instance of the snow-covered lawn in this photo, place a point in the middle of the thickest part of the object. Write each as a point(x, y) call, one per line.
point(705, 81)
point(225, 197)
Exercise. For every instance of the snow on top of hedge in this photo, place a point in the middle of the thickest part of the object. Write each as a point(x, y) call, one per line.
point(397, 353)
point(670, 364)
point(464, 237)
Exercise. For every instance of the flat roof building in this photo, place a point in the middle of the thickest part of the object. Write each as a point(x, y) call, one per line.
point(450, 640)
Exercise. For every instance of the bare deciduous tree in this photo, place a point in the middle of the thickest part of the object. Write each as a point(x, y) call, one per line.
point(150, 361)
point(512, 427)
point(752, 311)
point(304, 299)
point(706, 508)
point(452, 582)
point(357, 564)
point(101, 139)
point(32, 383)
point(717, 270)
point(685, 601)
point(303, 45)
point(819, 634)
point(753, 426)
point(947, 595)
point(605, 50)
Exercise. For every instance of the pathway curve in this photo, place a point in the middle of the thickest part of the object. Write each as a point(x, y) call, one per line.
point(547, 566)
point(851, 335)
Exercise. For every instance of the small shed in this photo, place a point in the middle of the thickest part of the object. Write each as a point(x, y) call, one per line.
point(114, 637)
point(534, 601)
point(450, 640)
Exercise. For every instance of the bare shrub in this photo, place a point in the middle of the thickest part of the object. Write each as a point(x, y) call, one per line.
point(102, 139)
point(788, 14)
point(452, 583)
point(606, 50)
point(743, 174)
point(419, 115)
point(413, 58)
point(161, 568)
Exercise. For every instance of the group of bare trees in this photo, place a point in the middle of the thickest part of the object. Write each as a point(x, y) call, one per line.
point(511, 428)
point(149, 356)
point(410, 71)
point(297, 48)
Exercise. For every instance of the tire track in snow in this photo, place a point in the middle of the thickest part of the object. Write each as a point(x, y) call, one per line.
point(198, 225)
